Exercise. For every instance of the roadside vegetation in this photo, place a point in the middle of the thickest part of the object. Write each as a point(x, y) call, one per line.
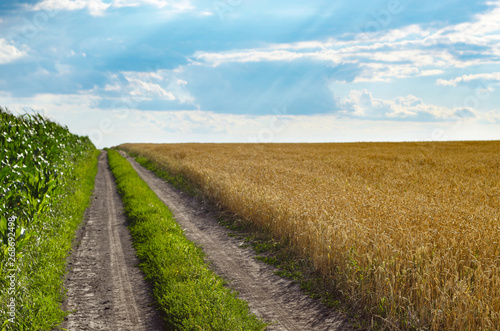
point(407, 232)
point(46, 179)
point(188, 293)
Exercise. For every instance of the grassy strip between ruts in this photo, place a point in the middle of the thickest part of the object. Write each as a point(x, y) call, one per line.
point(189, 294)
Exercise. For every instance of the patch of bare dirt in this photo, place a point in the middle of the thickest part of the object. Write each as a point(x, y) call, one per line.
point(106, 288)
point(269, 296)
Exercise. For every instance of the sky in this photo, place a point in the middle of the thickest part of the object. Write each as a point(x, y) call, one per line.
point(255, 71)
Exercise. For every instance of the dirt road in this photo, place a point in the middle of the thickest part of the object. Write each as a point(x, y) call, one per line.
point(105, 286)
point(269, 296)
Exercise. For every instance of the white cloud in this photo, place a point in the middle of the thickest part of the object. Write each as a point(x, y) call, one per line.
point(99, 7)
point(483, 25)
point(206, 13)
point(148, 90)
point(410, 51)
point(216, 59)
point(379, 72)
point(114, 88)
point(492, 77)
point(9, 53)
point(379, 62)
point(95, 7)
point(176, 4)
point(432, 72)
point(493, 116)
point(63, 69)
point(305, 45)
point(156, 85)
point(362, 104)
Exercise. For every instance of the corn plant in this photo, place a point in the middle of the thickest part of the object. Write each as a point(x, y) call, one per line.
point(38, 159)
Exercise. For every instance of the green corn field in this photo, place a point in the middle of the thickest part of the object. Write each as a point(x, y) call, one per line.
point(42, 165)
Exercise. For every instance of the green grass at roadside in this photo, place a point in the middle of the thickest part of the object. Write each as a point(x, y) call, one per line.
point(189, 294)
point(50, 266)
point(41, 294)
point(46, 179)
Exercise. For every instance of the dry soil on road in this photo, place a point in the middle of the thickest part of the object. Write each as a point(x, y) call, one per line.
point(105, 287)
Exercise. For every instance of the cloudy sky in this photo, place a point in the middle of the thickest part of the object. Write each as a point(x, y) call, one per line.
point(255, 71)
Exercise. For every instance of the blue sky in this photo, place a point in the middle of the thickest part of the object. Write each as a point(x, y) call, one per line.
point(255, 71)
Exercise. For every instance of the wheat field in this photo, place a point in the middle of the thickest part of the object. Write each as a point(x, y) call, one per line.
point(409, 230)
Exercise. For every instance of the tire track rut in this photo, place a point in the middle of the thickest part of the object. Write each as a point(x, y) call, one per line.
point(105, 287)
point(269, 296)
